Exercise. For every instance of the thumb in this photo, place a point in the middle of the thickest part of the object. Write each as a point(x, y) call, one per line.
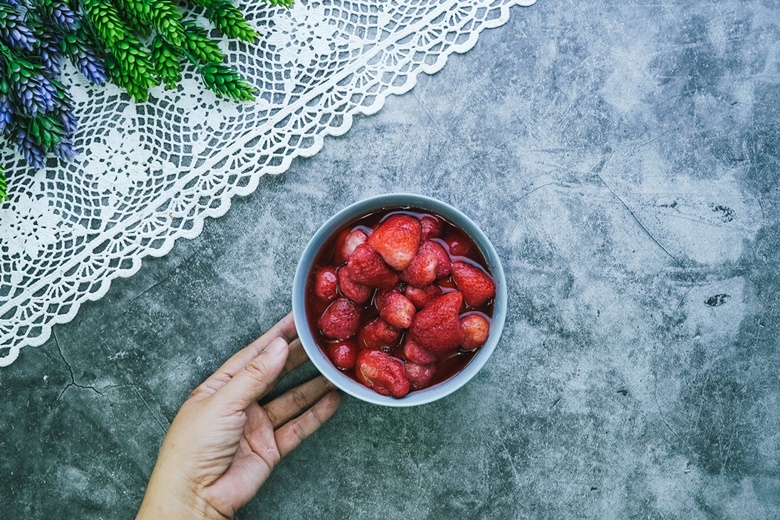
point(256, 378)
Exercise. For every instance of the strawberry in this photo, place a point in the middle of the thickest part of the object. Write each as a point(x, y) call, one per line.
point(430, 263)
point(421, 271)
point(475, 284)
point(396, 240)
point(383, 373)
point(416, 354)
point(356, 292)
point(421, 297)
point(457, 244)
point(325, 284)
point(443, 264)
point(343, 354)
point(340, 320)
point(377, 334)
point(398, 311)
point(437, 326)
point(431, 227)
point(477, 329)
point(381, 295)
point(420, 376)
point(367, 267)
point(347, 242)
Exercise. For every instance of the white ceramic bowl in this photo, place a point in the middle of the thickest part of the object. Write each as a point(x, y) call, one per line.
point(350, 213)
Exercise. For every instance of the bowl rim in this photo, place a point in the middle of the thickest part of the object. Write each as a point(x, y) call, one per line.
point(385, 201)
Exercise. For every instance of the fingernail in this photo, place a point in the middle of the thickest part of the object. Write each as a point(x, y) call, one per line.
point(276, 346)
point(335, 396)
point(329, 385)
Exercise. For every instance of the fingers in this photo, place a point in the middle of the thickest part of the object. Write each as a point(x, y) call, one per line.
point(295, 358)
point(294, 402)
point(289, 436)
point(285, 329)
point(255, 379)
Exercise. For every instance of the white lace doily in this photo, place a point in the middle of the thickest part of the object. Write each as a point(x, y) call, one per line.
point(150, 173)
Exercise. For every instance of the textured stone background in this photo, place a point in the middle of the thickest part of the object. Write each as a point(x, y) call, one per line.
point(624, 160)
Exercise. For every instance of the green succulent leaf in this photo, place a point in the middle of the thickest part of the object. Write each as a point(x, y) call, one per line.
point(130, 67)
point(3, 186)
point(167, 20)
point(198, 44)
point(280, 3)
point(137, 15)
point(227, 82)
point(166, 62)
point(135, 85)
point(229, 21)
point(217, 3)
point(46, 130)
point(107, 23)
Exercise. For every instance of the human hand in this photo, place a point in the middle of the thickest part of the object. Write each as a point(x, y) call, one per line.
point(223, 445)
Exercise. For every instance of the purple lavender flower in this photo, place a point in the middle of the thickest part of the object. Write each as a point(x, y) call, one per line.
point(64, 149)
point(50, 60)
point(89, 65)
point(33, 91)
point(6, 113)
point(65, 116)
point(59, 13)
point(85, 59)
point(13, 31)
point(30, 149)
point(51, 45)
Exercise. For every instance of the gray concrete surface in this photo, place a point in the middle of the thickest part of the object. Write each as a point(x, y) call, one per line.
point(624, 159)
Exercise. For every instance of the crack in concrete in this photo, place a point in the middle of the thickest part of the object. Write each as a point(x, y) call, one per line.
point(597, 172)
point(165, 278)
point(136, 389)
point(155, 284)
point(510, 459)
point(526, 194)
point(73, 381)
point(686, 275)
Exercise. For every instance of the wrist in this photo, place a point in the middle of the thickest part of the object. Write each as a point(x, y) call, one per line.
point(162, 500)
point(155, 507)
